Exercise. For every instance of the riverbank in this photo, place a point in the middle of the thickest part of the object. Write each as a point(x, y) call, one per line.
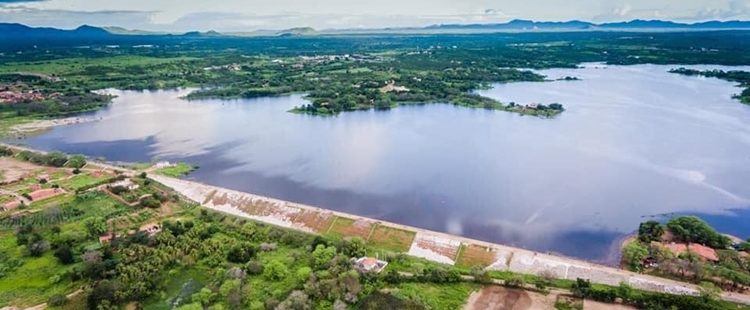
point(434, 246)
point(30, 126)
point(430, 245)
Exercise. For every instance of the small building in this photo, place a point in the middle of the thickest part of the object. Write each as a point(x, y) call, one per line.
point(162, 164)
point(532, 106)
point(106, 238)
point(126, 183)
point(369, 264)
point(151, 229)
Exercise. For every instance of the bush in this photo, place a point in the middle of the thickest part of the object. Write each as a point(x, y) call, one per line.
point(57, 300)
point(515, 281)
point(692, 229)
point(65, 255)
point(633, 255)
point(150, 202)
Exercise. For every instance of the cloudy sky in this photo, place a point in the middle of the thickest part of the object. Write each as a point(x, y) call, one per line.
point(247, 15)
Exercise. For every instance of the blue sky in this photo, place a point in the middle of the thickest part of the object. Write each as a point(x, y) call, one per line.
point(248, 15)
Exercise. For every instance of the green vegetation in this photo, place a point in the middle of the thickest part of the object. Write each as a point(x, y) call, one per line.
point(338, 73)
point(198, 259)
point(177, 170)
point(692, 229)
point(702, 253)
point(741, 77)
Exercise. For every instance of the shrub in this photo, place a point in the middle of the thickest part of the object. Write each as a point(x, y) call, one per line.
point(694, 230)
point(515, 281)
point(57, 300)
point(150, 202)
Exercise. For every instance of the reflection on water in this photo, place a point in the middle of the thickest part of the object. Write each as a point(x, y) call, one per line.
point(635, 141)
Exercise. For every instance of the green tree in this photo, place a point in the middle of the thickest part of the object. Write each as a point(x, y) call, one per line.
point(65, 254)
point(76, 161)
point(633, 255)
point(95, 226)
point(694, 230)
point(205, 296)
point(275, 270)
point(322, 255)
point(650, 231)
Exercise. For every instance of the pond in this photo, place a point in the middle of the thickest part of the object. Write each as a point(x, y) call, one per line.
point(635, 142)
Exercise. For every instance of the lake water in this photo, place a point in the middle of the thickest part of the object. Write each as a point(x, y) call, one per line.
point(635, 142)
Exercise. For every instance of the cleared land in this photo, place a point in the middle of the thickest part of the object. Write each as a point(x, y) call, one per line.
point(392, 239)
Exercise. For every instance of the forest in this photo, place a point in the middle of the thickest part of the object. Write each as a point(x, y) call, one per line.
point(338, 73)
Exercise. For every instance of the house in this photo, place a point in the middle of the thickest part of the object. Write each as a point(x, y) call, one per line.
point(126, 183)
point(162, 164)
point(744, 254)
point(701, 251)
point(151, 229)
point(369, 264)
point(106, 238)
point(532, 106)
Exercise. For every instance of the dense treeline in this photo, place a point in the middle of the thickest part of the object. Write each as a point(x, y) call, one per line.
point(434, 68)
point(741, 77)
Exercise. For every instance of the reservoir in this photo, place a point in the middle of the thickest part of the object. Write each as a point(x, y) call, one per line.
point(636, 142)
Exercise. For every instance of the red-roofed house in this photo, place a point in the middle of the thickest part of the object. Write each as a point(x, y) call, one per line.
point(106, 238)
point(369, 264)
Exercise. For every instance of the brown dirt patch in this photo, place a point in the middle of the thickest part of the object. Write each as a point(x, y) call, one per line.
point(392, 239)
point(503, 298)
point(317, 221)
point(443, 248)
point(595, 305)
point(12, 170)
point(475, 255)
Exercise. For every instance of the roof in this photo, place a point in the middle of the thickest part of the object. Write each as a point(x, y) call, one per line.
point(104, 238)
point(368, 262)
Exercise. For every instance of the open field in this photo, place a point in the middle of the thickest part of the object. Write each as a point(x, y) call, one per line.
point(475, 255)
point(392, 239)
point(346, 227)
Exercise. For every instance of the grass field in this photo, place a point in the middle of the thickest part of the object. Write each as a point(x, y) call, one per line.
point(345, 227)
point(30, 284)
point(437, 296)
point(474, 255)
point(81, 181)
point(176, 171)
point(391, 239)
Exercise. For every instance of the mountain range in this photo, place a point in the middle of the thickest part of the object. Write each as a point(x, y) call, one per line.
point(23, 32)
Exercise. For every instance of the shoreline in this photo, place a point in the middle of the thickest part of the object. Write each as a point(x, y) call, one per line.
point(41, 125)
point(430, 245)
